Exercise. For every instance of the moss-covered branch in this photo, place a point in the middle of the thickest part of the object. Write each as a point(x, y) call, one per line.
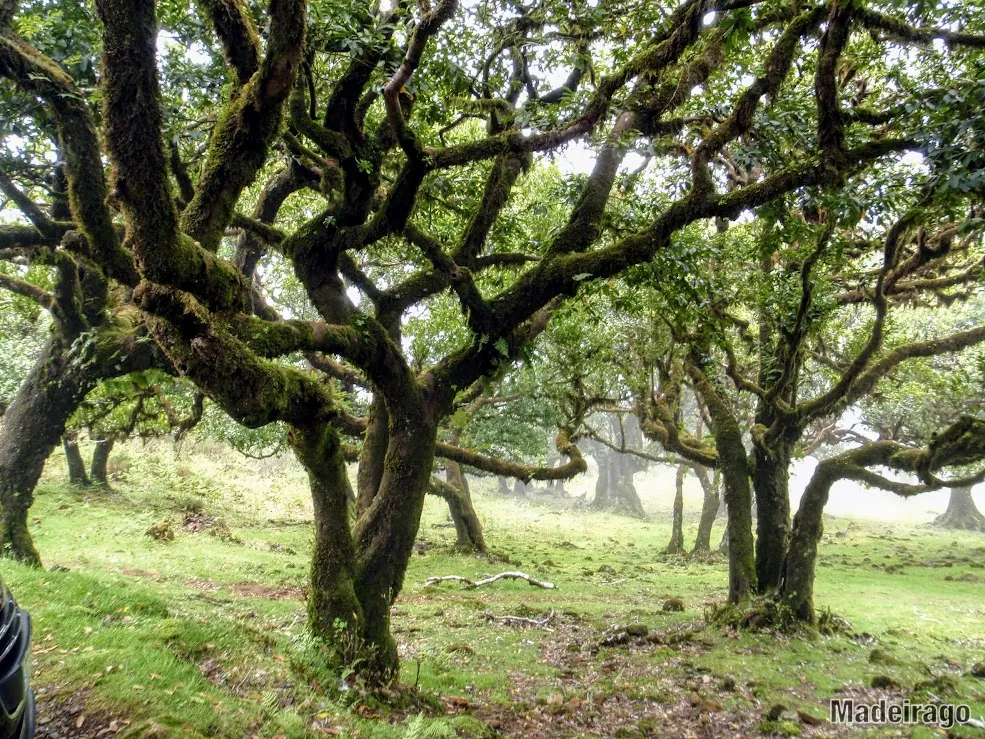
point(246, 128)
point(903, 31)
point(38, 75)
point(575, 465)
point(234, 26)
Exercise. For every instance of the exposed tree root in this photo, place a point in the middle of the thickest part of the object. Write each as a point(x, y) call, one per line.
point(771, 615)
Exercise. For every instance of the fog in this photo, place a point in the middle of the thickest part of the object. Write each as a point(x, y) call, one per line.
point(848, 499)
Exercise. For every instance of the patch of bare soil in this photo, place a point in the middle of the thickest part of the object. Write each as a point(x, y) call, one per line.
point(648, 687)
point(63, 715)
point(248, 589)
point(243, 589)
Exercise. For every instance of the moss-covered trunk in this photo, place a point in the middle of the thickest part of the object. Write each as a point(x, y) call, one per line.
point(468, 528)
point(372, 454)
point(384, 535)
point(73, 457)
point(710, 505)
point(32, 427)
point(797, 582)
point(334, 612)
point(734, 465)
point(99, 470)
point(771, 481)
point(676, 545)
point(961, 513)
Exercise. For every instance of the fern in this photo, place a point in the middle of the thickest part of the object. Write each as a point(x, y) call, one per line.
point(270, 703)
point(421, 727)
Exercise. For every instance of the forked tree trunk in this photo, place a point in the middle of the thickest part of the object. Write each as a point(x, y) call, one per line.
point(771, 481)
point(623, 497)
point(961, 513)
point(709, 508)
point(468, 528)
point(734, 465)
point(797, 582)
point(385, 534)
point(503, 487)
point(76, 465)
point(32, 427)
point(520, 488)
point(100, 461)
point(676, 545)
point(615, 489)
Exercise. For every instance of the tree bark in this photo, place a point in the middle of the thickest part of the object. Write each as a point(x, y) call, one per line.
point(334, 612)
point(76, 465)
point(100, 461)
point(384, 535)
point(710, 506)
point(961, 513)
point(372, 455)
point(734, 464)
point(797, 583)
point(468, 528)
point(32, 427)
point(771, 481)
point(503, 487)
point(676, 545)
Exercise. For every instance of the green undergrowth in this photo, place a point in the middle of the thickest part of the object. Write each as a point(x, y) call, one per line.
point(204, 636)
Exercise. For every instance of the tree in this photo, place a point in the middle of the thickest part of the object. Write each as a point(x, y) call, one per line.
point(960, 444)
point(145, 404)
point(925, 395)
point(419, 111)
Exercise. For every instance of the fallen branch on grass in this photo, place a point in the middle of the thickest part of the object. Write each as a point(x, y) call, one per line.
point(520, 620)
point(470, 584)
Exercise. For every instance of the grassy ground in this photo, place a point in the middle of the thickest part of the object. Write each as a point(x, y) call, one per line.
point(203, 636)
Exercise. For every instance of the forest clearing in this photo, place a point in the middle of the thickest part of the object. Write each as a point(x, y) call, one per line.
point(204, 635)
point(525, 368)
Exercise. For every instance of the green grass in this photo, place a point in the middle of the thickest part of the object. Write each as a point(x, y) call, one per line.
point(205, 637)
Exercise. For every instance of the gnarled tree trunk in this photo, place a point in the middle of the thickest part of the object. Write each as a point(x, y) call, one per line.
point(771, 480)
point(961, 513)
point(797, 582)
point(334, 612)
point(710, 506)
point(602, 484)
point(734, 464)
point(99, 470)
point(73, 457)
point(468, 528)
point(32, 427)
point(676, 545)
point(384, 535)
